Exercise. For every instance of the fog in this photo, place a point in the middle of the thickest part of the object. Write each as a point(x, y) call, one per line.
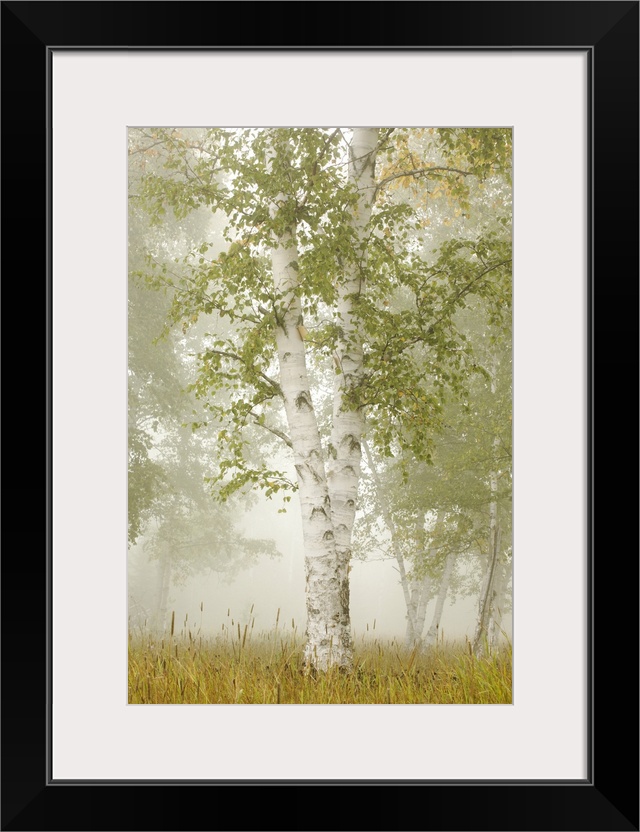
point(273, 590)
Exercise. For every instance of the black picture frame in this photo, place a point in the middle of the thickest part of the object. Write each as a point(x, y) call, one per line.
point(608, 798)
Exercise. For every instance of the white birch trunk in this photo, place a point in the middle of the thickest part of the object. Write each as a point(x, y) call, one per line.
point(327, 494)
point(480, 637)
point(348, 423)
point(410, 594)
point(487, 590)
point(497, 606)
point(485, 604)
point(421, 612)
point(413, 595)
point(427, 585)
point(325, 644)
point(495, 621)
point(159, 621)
point(434, 627)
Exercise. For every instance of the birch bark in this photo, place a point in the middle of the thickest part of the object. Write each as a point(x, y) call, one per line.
point(432, 633)
point(327, 493)
point(487, 590)
point(421, 611)
point(494, 629)
point(159, 621)
point(410, 593)
point(325, 643)
point(345, 447)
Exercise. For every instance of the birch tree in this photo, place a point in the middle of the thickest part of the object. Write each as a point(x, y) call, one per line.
point(493, 582)
point(316, 246)
point(441, 526)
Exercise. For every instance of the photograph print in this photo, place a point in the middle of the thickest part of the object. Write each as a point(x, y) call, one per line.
point(320, 415)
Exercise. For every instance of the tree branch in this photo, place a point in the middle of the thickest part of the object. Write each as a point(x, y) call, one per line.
point(239, 358)
point(274, 431)
point(465, 290)
point(421, 172)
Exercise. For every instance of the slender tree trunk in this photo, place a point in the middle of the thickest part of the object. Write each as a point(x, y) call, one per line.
point(499, 586)
point(423, 587)
point(328, 493)
point(410, 593)
point(345, 447)
point(485, 604)
point(412, 632)
point(409, 632)
point(325, 643)
point(159, 620)
point(487, 590)
point(426, 584)
point(328, 489)
point(432, 633)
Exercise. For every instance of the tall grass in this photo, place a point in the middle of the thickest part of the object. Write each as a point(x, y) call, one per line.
point(243, 666)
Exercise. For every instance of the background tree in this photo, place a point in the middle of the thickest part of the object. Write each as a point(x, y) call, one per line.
point(169, 508)
point(431, 521)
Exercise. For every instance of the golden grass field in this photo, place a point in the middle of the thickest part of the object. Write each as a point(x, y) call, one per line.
point(243, 667)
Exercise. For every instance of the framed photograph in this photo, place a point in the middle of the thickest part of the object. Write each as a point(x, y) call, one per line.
point(562, 80)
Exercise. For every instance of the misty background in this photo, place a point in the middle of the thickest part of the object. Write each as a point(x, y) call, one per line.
point(215, 564)
point(377, 606)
